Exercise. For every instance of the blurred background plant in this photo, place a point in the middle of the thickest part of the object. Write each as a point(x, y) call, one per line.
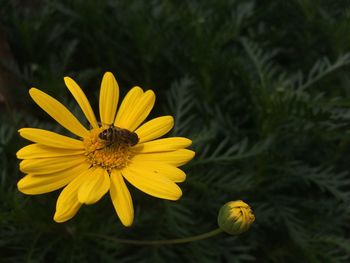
point(262, 88)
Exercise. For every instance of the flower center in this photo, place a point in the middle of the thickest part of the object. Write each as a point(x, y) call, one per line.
point(108, 153)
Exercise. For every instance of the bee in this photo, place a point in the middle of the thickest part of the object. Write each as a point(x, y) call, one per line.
point(118, 136)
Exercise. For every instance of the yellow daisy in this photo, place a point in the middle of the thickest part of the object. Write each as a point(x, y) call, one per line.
point(104, 155)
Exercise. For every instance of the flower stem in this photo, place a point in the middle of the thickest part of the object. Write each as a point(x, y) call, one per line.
point(160, 242)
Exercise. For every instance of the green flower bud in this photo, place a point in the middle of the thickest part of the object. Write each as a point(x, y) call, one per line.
point(235, 217)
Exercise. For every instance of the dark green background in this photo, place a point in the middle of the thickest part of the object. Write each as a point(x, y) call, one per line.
point(261, 87)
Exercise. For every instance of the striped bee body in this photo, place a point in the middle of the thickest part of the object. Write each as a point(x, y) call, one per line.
point(118, 136)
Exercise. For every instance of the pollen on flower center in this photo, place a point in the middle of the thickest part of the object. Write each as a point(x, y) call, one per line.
point(106, 154)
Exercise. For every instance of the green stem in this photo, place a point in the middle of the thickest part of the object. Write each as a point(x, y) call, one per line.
point(160, 242)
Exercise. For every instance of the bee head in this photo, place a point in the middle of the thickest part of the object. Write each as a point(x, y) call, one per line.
point(105, 134)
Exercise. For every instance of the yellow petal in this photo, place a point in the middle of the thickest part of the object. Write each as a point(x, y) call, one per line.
point(138, 112)
point(67, 203)
point(109, 95)
point(50, 165)
point(128, 103)
point(35, 150)
point(96, 184)
point(177, 158)
point(59, 112)
point(81, 99)
point(121, 199)
point(162, 145)
point(157, 186)
point(34, 184)
point(50, 138)
point(157, 168)
point(155, 128)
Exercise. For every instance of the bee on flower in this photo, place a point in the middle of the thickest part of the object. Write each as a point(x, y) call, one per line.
point(99, 159)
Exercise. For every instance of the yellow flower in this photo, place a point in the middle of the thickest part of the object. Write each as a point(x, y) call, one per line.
point(235, 217)
point(103, 156)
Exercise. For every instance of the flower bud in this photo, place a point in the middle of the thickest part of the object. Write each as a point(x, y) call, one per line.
point(235, 217)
